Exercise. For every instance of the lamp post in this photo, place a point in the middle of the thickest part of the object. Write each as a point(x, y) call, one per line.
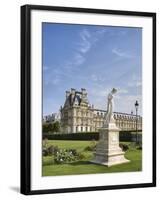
point(136, 106)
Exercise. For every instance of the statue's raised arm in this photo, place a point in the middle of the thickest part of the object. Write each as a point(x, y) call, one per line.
point(110, 105)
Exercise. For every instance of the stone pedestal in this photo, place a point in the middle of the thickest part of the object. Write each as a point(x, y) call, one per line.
point(108, 151)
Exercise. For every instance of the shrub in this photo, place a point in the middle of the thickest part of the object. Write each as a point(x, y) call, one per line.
point(92, 146)
point(73, 151)
point(44, 142)
point(50, 150)
point(44, 151)
point(56, 149)
point(81, 156)
point(124, 147)
point(64, 156)
point(67, 155)
point(88, 148)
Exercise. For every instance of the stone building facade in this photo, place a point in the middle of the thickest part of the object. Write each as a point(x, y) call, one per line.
point(77, 115)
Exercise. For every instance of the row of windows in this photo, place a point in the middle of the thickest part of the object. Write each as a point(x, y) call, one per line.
point(98, 114)
point(100, 123)
point(116, 116)
point(131, 125)
point(126, 118)
point(83, 114)
point(101, 120)
point(90, 129)
point(79, 120)
point(78, 113)
point(83, 129)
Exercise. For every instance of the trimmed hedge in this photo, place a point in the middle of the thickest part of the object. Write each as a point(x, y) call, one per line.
point(126, 136)
point(72, 136)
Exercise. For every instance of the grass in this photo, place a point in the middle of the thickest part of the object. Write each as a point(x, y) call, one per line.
point(67, 144)
point(84, 166)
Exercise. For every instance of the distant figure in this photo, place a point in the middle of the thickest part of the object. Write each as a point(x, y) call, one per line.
point(109, 114)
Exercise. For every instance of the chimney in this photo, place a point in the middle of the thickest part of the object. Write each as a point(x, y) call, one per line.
point(84, 94)
point(67, 94)
point(83, 90)
point(73, 91)
point(72, 95)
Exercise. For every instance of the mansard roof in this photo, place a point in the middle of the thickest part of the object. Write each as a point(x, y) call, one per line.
point(75, 97)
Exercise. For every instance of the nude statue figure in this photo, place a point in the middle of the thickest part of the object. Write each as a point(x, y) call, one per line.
point(110, 104)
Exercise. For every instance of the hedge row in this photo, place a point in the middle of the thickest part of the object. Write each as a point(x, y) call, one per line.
point(125, 136)
point(72, 136)
point(128, 136)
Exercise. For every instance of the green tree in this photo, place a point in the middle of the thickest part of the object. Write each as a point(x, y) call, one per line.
point(56, 126)
point(45, 128)
point(51, 127)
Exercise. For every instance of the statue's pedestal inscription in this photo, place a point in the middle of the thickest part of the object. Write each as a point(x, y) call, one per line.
point(108, 151)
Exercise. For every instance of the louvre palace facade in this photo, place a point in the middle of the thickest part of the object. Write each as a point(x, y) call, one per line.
point(77, 115)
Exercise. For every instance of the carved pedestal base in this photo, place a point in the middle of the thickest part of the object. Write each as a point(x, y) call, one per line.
point(108, 151)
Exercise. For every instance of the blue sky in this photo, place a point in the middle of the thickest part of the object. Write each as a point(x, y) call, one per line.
point(97, 58)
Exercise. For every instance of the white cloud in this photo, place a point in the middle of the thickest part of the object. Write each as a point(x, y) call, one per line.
point(101, 31)
point(135, 84)
point(123, 101)
point(52, 76)
point(120, 53)
point(78, 59)
point(85, 34)
point(88, 39)
point(98, 96)
point(123, 91)
point(94, 77)
point(55, 80)
point(135, 81)
point(85, 44)
point(126, 103)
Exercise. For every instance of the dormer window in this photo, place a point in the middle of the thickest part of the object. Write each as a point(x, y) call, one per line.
point(76, 101)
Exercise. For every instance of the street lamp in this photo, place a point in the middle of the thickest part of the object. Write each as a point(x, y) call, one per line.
point(136, 106)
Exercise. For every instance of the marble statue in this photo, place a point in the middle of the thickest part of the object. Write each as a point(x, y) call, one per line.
point(108, 151)
point(110, 105)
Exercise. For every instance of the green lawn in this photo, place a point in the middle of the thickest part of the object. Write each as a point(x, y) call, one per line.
point(84, 166)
